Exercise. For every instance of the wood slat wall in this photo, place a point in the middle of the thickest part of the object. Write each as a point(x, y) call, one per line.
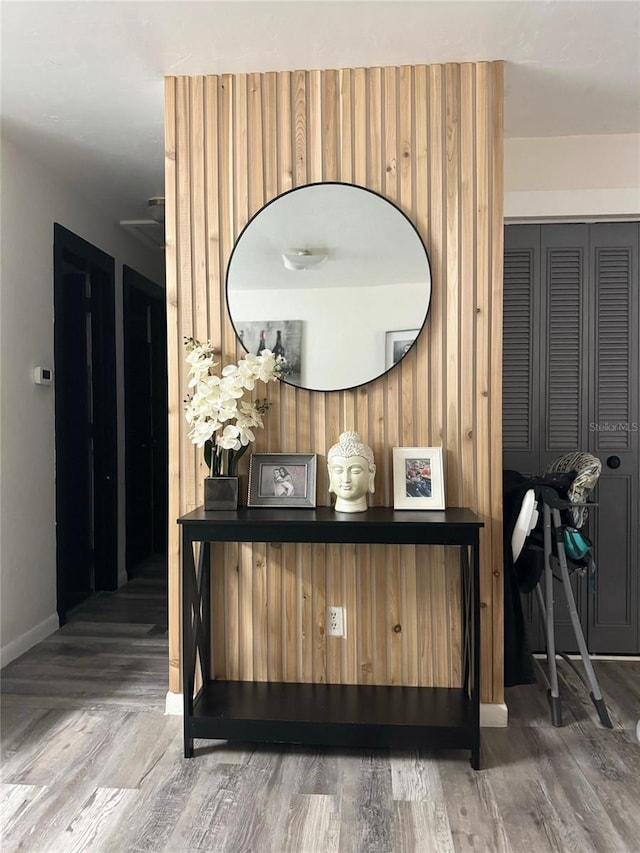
point(430, 139)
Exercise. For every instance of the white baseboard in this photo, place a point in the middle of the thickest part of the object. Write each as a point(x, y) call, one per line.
point(29, 639)
point(173, 704)
point(494, 715)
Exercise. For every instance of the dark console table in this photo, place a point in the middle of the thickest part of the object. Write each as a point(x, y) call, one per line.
point(330, 714)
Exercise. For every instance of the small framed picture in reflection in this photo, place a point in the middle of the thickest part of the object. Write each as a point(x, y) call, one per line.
point(398, 344)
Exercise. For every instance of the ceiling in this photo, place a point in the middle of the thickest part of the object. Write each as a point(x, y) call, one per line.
point(82, 82)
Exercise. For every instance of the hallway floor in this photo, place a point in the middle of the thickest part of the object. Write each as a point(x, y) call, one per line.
point(90, 763)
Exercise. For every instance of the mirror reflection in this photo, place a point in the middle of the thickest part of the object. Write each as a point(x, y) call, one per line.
point(335, 278)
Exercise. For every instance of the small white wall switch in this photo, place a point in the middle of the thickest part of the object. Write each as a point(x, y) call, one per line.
point(336, 625)
point(42, 375)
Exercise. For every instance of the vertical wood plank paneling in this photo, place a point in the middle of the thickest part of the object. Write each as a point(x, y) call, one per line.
point(174, 363)
point(319, 614)
point(274, 612)
point(467, 284)
point(226, 198)
point(198, 215)
point(229, 557)
point(410, 638)
point(430, 139)
point(259, 600)
point(287, 142)
point(226, 555)
point(214, 329)
point(376, 389)
point(422, 410)
point(275, 158)
point(290, 614)
point(392, 407)
point(334, 597)
point(437, 328)
point(270, 150)
point(407, 150)
point(306, 612)
point(452, 316)
point(483, 332)
point(364, 591)
point(350, 598)
point(453, 345)
point(185, 278)
point(495, 376)
point(256, 194)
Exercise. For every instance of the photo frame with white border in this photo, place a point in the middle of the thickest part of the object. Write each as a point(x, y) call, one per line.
point(282, 480)
point(418, 478)
point(397, 344)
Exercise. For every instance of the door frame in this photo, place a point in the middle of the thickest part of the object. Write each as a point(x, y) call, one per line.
point(133, 280)
point(70, 248)
point(584, 601)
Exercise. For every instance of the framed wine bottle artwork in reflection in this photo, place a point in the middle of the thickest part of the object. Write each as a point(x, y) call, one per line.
point(282, 337)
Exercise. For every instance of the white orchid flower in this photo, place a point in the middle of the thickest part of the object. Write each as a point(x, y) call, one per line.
point(202, 432)
point(216, 407)
point(228, 438)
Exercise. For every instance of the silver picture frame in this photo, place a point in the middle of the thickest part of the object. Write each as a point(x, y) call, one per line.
point(282, 480)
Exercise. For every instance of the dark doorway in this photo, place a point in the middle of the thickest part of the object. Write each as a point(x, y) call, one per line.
point(146, 435)
point(85, 420)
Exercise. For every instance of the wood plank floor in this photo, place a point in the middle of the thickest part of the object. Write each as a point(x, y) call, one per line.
point(90, 763)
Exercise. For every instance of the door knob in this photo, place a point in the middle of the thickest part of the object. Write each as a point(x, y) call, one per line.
point(613, 462)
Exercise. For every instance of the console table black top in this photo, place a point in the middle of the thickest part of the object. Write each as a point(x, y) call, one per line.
point(455, 525)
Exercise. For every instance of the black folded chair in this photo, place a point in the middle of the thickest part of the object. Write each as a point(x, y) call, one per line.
point(561, 493)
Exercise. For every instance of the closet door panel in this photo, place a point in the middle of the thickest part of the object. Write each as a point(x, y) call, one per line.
point(521, 353)
point(564, 368)
point(564, 314)
point(614, 437)
point(521, 349)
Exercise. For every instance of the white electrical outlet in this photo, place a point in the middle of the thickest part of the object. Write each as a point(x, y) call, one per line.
point(336, 626)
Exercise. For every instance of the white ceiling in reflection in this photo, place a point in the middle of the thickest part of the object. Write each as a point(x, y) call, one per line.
point(368, 242)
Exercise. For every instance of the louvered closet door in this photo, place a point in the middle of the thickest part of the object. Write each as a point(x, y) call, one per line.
point(564, 414)
point(565, 421)
point(614, 436)
point(521, 349)
point(521, 376)
point(572, 381)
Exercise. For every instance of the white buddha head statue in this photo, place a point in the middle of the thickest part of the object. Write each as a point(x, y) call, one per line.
point(351, 472)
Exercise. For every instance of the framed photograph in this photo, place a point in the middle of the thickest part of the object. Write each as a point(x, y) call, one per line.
point(283, 479)
point(397, 344)
point(418, 481)
point(282, 337)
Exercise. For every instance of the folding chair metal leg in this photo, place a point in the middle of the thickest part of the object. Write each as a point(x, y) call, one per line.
point(595, 694)
point(553, 693)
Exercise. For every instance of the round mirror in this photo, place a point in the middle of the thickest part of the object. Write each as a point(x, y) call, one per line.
point(335, 278)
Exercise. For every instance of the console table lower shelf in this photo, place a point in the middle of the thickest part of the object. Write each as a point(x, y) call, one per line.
point(333, 714)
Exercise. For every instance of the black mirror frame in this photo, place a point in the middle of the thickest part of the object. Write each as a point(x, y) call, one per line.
point(344, 184)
